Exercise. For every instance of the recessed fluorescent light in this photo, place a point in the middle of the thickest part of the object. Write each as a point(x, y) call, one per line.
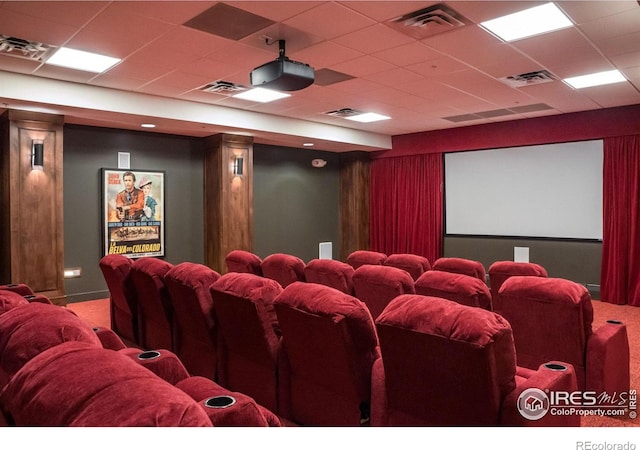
point(530, 22)
point(261, 95)
point(308, 144)
point(148, 125)
point(77, 59)
point(367, 117)
point(595, 79)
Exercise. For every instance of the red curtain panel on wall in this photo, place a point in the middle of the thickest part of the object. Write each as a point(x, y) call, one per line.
point(406, 205)
point(620, 276)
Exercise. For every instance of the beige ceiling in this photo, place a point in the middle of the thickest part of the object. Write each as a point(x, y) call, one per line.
point(424, 82)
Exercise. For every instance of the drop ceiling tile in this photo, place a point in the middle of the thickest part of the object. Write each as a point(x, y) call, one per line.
point(175, 13)
point(325, 54)
point(613, 94)
point(33, 28)
point(363, 66)
point(394, 77)
point(228, 21)
point(373, 39)
point(407, 54)
point(70, 13)
point(329, 20)
point(276, 11)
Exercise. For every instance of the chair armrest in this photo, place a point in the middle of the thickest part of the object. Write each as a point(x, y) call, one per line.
point(378, 395)
point(551, 376)
point(18, 288)
point(163, 363)
point(607, 365)
point(110, 340)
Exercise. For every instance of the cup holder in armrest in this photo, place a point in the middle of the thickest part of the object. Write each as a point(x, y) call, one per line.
point(614, 322)
point(555, 366)
point(151, 354)
point(219, 401)
point(30, 297)
point(96, 329)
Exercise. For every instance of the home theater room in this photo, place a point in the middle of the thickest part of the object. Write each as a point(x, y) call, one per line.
point(377, 221)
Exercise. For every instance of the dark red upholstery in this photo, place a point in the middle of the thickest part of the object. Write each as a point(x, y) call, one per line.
point(447, 364)
point(10, 299)
point(244, 262)
point(155, 312)
point(376, 286)
point(19, 288)
point(116, 270)
point(77, 384)
point(195, 334)
point(249, 335)
point(109, 339)
point(552, 319)
point(283, 268)
point(361, 257)
point(462, 266)
point(329, 348)
point(500, 271)
point(330, 272)
point(463, 289)
point(28, 330)
point(415, 265)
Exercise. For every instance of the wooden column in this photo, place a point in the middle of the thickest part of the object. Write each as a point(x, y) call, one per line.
point(354, 202)
point(31, 200)
point(228, 198)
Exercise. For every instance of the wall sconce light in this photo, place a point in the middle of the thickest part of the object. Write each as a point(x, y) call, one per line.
point(238, 166)
point(37, 154)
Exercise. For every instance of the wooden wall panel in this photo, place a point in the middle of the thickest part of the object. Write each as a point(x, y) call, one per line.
point(354, 203)
point(228, 198)
point(34, 205)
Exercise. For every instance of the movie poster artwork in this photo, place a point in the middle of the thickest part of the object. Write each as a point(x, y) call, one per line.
point(133, 212)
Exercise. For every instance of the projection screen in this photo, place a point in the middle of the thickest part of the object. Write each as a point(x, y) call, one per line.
point(547, 191)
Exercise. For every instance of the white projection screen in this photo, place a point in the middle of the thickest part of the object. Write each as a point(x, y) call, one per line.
point(547, 191)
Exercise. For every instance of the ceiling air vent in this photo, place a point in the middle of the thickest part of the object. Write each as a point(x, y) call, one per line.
point(22, 48)
point(528, 79)
point(344, 112)
point(435, 19)
point(223, 87)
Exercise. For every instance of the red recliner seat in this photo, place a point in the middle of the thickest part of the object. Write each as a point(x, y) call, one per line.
point(155, 312)
point(552, 319)
point(459, 288)
point(461, 265)
point(500, 271)
point(377, 285)
point(249, 333)
point(194, 328)
point(415, 265)
point(330, 272)
point(116, 270)
point(447, 364)
point(361, 257)
point(283, 268)
point(244, 262)
point(329, 347)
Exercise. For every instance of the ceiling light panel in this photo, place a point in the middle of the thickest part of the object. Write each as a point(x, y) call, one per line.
point(80, 60)
point(368, 117)
point(261, 95)
point(595, 79)
point(529, 22)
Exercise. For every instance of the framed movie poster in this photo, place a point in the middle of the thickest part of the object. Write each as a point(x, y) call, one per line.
point(133, 211)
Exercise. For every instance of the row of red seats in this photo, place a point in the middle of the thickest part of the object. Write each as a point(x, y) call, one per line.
point(314, 355)
point(56, 370)
point(551, 317)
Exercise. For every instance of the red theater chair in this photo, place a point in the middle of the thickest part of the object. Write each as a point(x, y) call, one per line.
point(330, 272)
point(446, 364)
point(462, 266)
point(249, 334)
point(283, 268)
point(244, 262)
point(329, 347)
point(155, 313)
point(459, 288)
point(415, 265)
point(116, 270)
point(18, 288)
point(500, 271)
point(194, 327)
point(376, 286)
point(361, 257)
point(10, 299)
point(551, 319)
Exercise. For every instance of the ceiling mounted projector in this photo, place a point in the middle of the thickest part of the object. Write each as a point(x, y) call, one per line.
point(282, 74)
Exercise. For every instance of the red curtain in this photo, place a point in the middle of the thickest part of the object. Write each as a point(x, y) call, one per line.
point(406, 205)
point(620, 276)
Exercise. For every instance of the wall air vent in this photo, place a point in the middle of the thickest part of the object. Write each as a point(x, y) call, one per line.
point(223, 87)
point(528, 79)
point(344, 112)
point(435, 19)
point(22, 48)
